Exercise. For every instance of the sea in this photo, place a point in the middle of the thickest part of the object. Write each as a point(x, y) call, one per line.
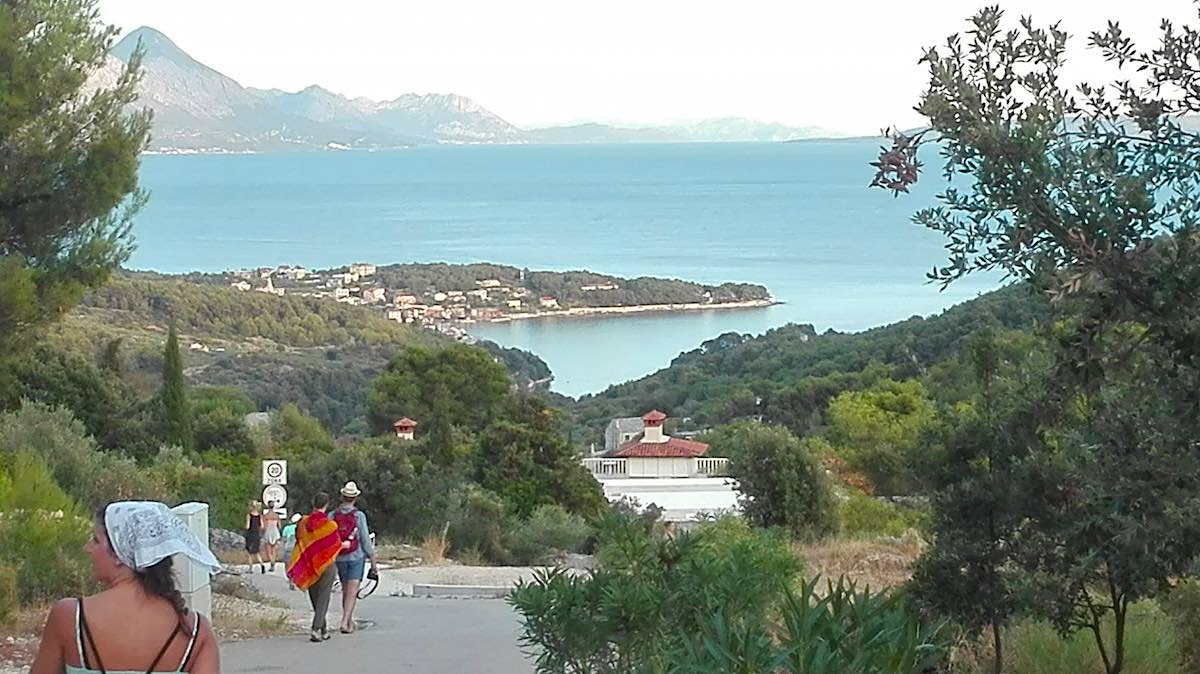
point(797, 217)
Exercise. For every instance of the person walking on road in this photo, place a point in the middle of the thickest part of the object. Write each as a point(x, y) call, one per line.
point(312, 564)
point(271, 534)
point(140, 618)
point(357, 549)
point(289, 538)
point(253, 536)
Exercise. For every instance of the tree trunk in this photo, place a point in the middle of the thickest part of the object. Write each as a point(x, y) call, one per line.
point(997, 647)
point(1120, 611)
point(1098, 633)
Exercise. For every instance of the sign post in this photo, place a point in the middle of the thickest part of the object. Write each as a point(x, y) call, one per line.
point(274, 477)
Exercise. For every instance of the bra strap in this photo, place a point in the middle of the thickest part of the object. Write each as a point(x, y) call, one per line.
point(91, 642)
point(79, 632)
point(187, 655)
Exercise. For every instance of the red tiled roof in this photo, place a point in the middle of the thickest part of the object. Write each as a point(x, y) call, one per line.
point(404, 422)
point(654, 415)
point(672, 448)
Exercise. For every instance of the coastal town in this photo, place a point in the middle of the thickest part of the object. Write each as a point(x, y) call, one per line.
point(461, 299)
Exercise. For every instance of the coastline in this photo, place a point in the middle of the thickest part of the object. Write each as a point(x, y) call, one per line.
point(591, 312)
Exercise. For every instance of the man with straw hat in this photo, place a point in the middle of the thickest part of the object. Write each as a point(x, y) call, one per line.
point(357, 548)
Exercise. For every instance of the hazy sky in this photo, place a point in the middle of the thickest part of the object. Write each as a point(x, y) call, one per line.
point(845, 65)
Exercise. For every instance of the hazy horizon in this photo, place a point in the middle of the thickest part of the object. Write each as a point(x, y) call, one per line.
point(849, 68)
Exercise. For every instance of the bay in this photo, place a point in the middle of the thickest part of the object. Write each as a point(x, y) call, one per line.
point(796, 217)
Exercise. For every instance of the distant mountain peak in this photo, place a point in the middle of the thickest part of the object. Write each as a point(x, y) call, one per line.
point(316, 90)
point(450, 101)
point(157, 46)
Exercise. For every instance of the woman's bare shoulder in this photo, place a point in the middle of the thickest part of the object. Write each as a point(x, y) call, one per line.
point(63, 609)
point(60, 621)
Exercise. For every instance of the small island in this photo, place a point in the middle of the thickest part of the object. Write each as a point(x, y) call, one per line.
point(443, 297)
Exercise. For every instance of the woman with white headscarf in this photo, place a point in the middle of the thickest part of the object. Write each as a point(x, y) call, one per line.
point(140, 622)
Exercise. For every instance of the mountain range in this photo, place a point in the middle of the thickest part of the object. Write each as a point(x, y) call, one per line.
point(198, 109)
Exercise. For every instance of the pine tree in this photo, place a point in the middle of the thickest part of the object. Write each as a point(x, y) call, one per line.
point(176, 417)
point(69, 184)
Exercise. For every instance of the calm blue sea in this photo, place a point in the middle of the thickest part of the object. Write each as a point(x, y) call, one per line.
point(798, 218)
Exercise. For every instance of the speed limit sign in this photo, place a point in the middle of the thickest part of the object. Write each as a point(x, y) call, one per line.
point(274, 471)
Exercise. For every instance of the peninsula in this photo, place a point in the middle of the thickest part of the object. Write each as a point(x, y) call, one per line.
point(444, 297)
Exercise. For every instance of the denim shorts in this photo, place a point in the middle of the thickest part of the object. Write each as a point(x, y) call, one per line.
point(351, 570)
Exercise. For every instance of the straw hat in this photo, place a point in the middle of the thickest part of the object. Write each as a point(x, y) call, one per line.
point(351, 490)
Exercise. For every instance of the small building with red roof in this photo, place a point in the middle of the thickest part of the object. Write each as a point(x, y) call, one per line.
point(405, 428)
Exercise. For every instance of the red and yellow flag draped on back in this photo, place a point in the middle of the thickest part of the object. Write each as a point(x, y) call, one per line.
point(317, 547)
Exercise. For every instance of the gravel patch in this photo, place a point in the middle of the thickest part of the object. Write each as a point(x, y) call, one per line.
point(16, 652)
point(237, 619)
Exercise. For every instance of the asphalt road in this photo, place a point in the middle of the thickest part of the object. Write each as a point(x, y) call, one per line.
point(398, 634)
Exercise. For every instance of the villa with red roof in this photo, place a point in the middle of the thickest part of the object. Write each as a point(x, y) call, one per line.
point(675, 474)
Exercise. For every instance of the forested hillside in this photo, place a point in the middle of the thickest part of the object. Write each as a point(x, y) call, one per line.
point(790, 371)
point(318, 354)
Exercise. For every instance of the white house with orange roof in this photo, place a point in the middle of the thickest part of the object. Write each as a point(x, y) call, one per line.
point(405, 428)
point(677, 475)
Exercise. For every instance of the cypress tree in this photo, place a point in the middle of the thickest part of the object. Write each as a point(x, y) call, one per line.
point(176, 417)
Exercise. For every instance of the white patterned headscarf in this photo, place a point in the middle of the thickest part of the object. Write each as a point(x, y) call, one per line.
point(143, 533)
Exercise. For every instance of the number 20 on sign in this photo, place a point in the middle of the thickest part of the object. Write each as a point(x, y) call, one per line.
point(274, 471)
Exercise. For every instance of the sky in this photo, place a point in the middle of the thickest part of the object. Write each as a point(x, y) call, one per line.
point(844, 65)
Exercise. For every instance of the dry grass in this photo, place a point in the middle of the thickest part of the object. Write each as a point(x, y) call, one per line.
point(433, 550)
point(1030, 647)
point(876, 564)
point(434, 547)
point(237, 619)
point(25, 621)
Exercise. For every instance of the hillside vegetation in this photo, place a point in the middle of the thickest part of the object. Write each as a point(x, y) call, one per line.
point(790, 372)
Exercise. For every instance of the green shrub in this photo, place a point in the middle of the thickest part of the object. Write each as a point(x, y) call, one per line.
point(43, 532)
point(479, 525)
point(862, 515)
point(8, 592)
point(840, 630)
point(780, 479)
point(844, 630)
point(225, 482)
point(91, 477)
point(549, 530)
point(222, 429)
point(1183, 606)
point(1150, 647)
point(650, 594)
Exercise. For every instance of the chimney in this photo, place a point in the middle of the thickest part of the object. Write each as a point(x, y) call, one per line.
point(405, 428)
point(653, 427)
